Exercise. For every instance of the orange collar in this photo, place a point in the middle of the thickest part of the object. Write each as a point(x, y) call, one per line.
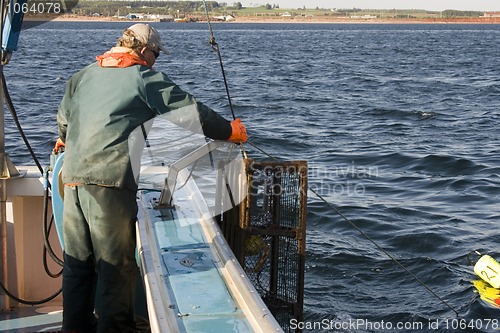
point(120, 57)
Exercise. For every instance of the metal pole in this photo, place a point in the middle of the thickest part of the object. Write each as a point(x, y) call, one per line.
point(3, 200)
point(7, 168)
point(3, 190)
point(4, 300)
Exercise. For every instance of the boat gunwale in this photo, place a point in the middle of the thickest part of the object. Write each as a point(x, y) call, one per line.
point(237, 282)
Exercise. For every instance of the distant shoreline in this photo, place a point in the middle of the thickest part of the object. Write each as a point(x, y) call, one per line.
point(348, 20)
point(319, 19)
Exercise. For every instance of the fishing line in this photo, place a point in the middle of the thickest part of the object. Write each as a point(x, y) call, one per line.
point(215, 47)
point(364, 234)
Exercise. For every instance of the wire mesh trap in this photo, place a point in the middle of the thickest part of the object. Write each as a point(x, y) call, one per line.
point(266, 231)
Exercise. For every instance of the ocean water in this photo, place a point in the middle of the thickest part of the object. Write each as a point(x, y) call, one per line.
point(401, 128)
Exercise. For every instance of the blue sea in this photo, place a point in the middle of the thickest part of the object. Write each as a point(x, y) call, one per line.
point(401, 128)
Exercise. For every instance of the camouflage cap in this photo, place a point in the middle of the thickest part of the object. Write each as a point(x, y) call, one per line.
point(149, 36)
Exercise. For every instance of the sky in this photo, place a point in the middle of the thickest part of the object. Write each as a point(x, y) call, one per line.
point(437, 5)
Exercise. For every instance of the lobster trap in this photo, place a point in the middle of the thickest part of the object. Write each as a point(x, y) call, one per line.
point(267, 230)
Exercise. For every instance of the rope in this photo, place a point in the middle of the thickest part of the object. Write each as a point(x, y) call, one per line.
point(215, 47)
point(383, 250)
point(371, 240)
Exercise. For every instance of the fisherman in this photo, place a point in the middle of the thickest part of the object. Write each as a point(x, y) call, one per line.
point(102, 119)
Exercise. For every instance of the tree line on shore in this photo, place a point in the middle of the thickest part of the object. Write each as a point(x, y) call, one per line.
point(191, 8)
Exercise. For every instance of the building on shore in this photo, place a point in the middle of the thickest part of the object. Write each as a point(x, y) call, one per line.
point(491, 14)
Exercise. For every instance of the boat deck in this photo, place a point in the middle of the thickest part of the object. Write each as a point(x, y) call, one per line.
point(194, 282)
point(26, 276)
point(29, 319)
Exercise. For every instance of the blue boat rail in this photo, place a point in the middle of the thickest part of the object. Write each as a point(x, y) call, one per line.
point(252, 240)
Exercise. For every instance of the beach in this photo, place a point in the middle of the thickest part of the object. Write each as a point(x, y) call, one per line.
point(302, 19)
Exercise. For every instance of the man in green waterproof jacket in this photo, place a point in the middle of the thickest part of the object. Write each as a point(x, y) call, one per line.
point(102, 119)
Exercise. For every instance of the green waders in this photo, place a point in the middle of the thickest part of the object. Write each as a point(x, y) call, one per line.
point(99, 240)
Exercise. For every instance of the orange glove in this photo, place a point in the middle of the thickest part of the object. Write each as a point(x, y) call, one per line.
point(59, 145)
point(239, 132)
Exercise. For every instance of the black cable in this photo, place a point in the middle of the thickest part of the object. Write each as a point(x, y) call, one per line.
point(47, 248)
point(46, 266)
point(18, 124)
point(23, 301)
point(13, 112)
point(46, 229)
point(14, 115)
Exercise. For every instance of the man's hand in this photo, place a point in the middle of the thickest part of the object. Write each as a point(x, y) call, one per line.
point(239, 132)
point(59, 145)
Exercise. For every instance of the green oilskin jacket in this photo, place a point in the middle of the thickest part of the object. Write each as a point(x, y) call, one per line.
point(100, 118)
